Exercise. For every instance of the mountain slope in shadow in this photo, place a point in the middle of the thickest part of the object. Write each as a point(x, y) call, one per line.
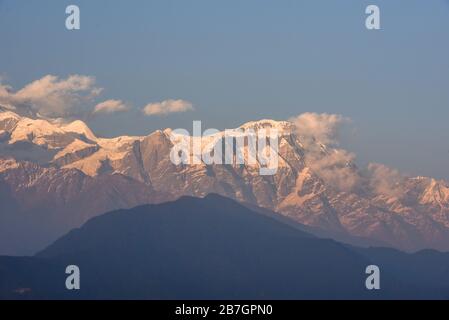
point(193, 248)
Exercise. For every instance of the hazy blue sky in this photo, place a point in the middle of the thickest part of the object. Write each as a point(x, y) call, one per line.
point(245, 60)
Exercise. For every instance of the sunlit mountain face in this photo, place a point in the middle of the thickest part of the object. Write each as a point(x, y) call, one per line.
point(56, 175)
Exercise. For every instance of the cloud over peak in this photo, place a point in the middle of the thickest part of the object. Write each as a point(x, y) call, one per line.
point(167, 107)
point(319, 133)
point(51, 96)
point(110, 106)
point(74, 97)
point(322, 127)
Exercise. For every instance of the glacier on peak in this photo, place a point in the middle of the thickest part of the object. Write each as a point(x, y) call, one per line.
point(283, 127)
point(79, 127)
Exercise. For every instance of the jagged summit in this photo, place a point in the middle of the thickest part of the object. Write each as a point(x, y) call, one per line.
point(6, 114)
point(314, 185)
point(80, 127)
point(283, 127)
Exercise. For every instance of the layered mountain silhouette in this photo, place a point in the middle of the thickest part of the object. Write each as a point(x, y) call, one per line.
point(38, 205)
point(214, 248)
point(55, 176)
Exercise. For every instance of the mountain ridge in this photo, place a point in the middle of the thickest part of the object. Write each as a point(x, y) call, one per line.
point(310, 187)
point(214, 248)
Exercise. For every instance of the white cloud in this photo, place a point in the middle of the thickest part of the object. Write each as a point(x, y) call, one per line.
point(336, 167)
point(110, 106)
point(51, 96)
point(385, 180)
point(167, 106)
point(322, 127)
point(319, 135)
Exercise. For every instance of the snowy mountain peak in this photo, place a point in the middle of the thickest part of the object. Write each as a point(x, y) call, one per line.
point(437, 192)
point(8, 115)
point(315, 185)
point(41, 131)
point(81, 128)
point(283, 127)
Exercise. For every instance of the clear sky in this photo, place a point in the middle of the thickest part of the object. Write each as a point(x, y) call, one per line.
point(237, 61)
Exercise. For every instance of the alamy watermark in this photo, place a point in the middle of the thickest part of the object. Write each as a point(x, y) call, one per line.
point(372, 22)
point(231, 147)
point(73, 280)
point(73, 21)
point(373, 280)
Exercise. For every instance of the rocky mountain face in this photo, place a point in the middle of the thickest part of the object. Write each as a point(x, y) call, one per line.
point(39, 204)
point(64, 170)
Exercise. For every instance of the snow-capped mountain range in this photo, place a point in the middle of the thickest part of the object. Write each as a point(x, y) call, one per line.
point(54, 176)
